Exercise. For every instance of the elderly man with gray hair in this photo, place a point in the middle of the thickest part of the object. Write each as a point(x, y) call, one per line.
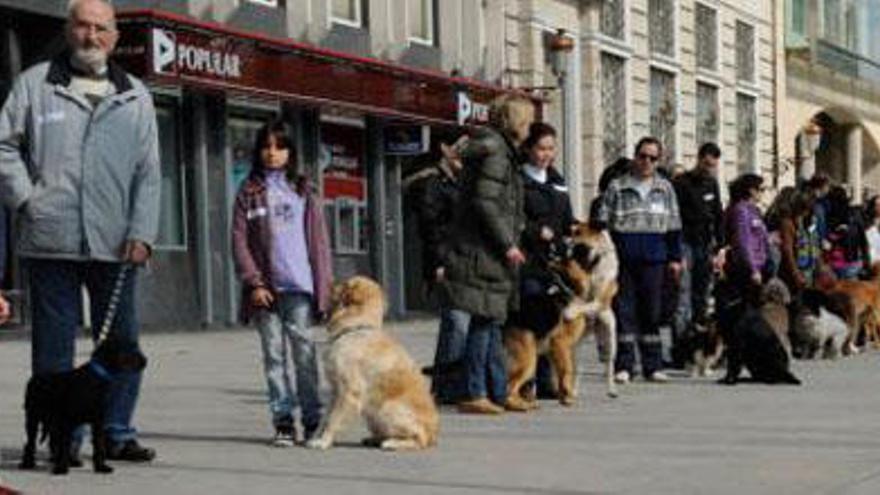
point(79, 163)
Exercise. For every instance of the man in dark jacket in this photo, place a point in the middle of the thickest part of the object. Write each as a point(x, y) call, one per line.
point(439, 190)
point(699, 202)
point(483, 255)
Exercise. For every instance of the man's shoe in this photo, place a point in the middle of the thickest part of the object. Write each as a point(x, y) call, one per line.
point(131, 451)
point(622, 377)
point(479, 406)
point(285, 436)
point(310, 432)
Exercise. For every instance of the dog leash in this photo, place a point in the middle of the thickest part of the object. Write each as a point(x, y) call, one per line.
point(113, 304)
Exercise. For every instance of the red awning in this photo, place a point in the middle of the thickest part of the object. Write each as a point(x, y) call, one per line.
point(170, 49)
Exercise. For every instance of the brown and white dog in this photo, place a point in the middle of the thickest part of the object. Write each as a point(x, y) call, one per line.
point(590, 272)
point(371, 374)
point(862, 311)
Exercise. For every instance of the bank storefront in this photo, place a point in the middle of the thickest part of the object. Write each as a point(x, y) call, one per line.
point(360, 125)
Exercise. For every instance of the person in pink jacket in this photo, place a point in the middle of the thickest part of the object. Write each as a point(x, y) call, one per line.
point(5, 311)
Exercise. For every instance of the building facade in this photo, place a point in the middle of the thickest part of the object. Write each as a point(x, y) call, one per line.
point(370, 87)
point(829, 91)
point(684, 71)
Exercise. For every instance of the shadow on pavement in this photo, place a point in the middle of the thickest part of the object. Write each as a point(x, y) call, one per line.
point(413, 483)
point(181, 437)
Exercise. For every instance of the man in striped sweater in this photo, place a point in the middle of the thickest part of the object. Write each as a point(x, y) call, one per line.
point(641, 212)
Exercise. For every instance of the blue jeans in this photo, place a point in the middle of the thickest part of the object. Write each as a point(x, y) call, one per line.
point(451, 344)
point(56, 311)
point(288, 322)
point(486, 370)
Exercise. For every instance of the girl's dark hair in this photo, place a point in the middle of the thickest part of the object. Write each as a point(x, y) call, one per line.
point(283, 137)
point(742, 186)
point(537, 132)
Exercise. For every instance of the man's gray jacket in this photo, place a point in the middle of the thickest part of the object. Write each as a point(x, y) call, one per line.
point(83, 181)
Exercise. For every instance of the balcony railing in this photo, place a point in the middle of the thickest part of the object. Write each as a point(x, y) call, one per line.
point(846, 62)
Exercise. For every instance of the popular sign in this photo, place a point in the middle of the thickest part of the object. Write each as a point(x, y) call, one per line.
point(167, 49)
point(172, 58)
point(470, 111)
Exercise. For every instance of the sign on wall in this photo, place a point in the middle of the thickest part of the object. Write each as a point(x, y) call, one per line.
point(167, 49)
point(407, 139)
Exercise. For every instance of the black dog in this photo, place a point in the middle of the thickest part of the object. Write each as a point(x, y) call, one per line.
point(752, 341)
point(61, 402)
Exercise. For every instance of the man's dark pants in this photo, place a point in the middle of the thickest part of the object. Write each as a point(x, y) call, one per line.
point(696, 282)
point(56, 308)
point(638, 309)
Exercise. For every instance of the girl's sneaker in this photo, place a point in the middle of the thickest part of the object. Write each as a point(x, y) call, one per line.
point(285, 436)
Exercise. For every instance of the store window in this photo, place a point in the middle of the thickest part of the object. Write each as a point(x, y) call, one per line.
point(347, 12)
point(341, 159)
point(420, 21)
point(172, 210)
point(241, 134)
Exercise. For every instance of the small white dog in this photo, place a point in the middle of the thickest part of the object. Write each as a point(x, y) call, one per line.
point(825, 334)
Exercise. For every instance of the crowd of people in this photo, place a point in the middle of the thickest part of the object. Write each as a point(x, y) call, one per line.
point(494, 210)
point(492, 214)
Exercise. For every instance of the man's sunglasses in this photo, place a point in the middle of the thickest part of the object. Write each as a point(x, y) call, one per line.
point(650, 158)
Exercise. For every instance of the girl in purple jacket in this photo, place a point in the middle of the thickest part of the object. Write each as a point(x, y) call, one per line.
point(282, 256)
point(746, 234)
point(745, 264)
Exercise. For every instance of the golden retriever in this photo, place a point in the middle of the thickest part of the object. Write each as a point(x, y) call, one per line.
point(371, 374)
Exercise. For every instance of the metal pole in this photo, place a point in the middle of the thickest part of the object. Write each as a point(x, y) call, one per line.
point(566, 128)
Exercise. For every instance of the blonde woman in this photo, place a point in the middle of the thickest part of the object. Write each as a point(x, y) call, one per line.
point(484, 254)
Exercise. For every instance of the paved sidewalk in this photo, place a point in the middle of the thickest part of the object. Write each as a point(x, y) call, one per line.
point(203, 407)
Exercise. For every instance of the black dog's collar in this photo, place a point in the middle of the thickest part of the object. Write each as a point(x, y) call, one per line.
point(100, 370)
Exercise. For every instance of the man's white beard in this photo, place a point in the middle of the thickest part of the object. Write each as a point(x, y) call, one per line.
point(92, 59)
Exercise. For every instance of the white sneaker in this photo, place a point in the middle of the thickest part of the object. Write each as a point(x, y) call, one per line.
point(658, 377)
point(622, 377)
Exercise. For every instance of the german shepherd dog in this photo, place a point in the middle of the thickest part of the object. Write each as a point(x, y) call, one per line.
point(581, 301)
point(61, 402)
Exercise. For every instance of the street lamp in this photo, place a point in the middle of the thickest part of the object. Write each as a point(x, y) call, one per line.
point(561, 46)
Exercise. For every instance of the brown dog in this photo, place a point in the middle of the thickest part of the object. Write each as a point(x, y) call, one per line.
point(862, 313)
point(370, 373)
point(591, 274)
